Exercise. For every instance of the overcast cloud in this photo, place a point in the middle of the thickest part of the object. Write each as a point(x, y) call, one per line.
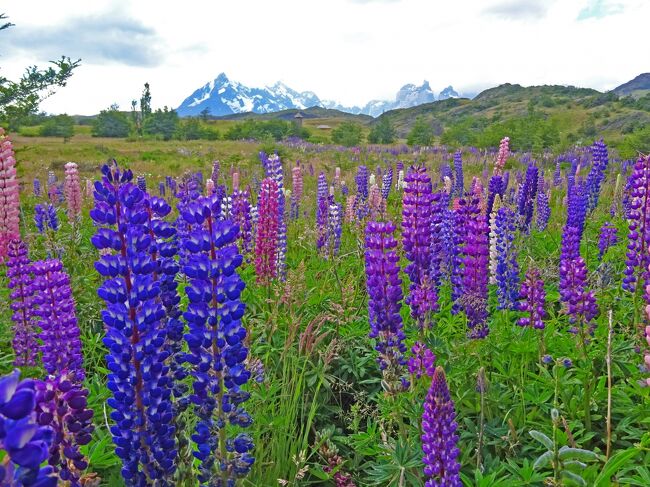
point(348, 50)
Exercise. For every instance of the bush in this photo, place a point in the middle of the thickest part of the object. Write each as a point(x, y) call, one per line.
point(111, 123)
point(58, 126)
point(383, 132)
point(161, 123)
point(421, 133)
point(348, 134)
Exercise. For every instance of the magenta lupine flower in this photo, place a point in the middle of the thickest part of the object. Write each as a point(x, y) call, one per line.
point(417, 226)
point(638, 214)
point(9, 195)
point(21, 286)
point(439, 438)
point(384, 301)
point(533, 300)
point(422, 361)
point(266, 242)
point(72, 189)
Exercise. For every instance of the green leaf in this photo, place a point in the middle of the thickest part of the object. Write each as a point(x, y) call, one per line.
point(542, 438)
point(613, 465)
point(318, 472)
point(577, 454)
point(543, 460)
point(573, 477)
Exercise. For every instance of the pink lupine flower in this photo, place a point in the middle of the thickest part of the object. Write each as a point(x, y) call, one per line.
point(266, 241)
point(337, 176)
point(9, 197)
point(376, 203)
point(209, 187)
point(502, 156)
point(72, 191)
point(235, 181)
point(349, 208)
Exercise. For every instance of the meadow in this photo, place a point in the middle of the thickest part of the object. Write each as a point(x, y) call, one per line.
point(299, 314)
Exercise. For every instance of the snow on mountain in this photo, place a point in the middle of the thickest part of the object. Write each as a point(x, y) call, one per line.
point(222, 96)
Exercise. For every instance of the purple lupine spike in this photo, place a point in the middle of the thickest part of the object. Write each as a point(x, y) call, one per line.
point(334, 221)
point(543, 209)
point(37, 187)
point(638, 214)
point(495, 187)
point(21, 286)
point(422, 361)
point(241, 214)
point(533, 300)
point(526, 197)
point(459, 181)
point(273, 167)
point(608, 238)
point(507, 268)
point(55, 309)
point(416, 240)
point(557, 174)
point(475, 270)
point(322, 209)
point(216, 168)
point(142, 182)
point(24, 442)
point(161, 189)
point(439, 438)
point(597, 173)
point(458, 229)
point(387, 182)
point(384, 302)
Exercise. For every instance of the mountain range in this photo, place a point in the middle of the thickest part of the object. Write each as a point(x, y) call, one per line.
point(223, 96)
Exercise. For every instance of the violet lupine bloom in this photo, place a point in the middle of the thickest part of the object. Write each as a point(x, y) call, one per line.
point(475, 270)
point(533, 300)
point(215, 340)
point(21, 286)
point(638, 256)
point(9, 195)
point(557, 174)
point(322, 208)
point(458, 229)
point(142, 183)
point(361, 200)
point(543, 209)
point(296, 194)
point(384, 302)
point(422, 361)
point(507, 268)
point(216, 167)
point(597, 173)
point(439, 438)
point(416, 240)
point(386, 182)
point(72, 187)
point(496, 187)
point(139, 378)
point(55, 309)
point(37, 187)
point(334, 221)
point(25, 442)
point(241, 214)
point(608, 238)
point(459, 181)
point(266, 238)
point(273, 166)
point(526, 197)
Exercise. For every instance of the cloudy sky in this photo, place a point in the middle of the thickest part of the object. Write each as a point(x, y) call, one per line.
point(347, 50)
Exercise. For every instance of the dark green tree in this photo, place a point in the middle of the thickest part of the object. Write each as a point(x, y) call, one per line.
point(161, 123)
point(205, 114)
point(145, 102)
point(382, 132)
point(111, 123)
point(421, 133)
point(347, 134)
point(20, 99)
point(58, 126)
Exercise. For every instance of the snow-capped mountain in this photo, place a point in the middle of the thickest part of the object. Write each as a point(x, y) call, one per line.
point(223, 96)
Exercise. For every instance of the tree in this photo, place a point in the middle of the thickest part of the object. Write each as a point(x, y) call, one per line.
point(205, 114)
point(145, 102)
point(19, 99)
point(382, 133)
point(161, 123)
point(111, 123)
point(421, 133)
point(347, 134)
point(58, 126)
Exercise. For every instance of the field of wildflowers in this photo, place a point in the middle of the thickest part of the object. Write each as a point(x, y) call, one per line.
point(325, 316)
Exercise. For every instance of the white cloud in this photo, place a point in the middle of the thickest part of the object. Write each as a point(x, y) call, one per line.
point(348, 50)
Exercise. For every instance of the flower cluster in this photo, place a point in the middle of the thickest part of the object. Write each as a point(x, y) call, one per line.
point(386, 182)
point(439, 438)
point(422, 361)
point(273, 167)
point(72, 189)
point(335, 227)
point(533, 300)
point(9, 197)
point(459, 181)
point(597, 173)
point(608, 237)
point(296, 194)
point(36, 183)
point(526, 197)
point(502, 156)
point(322, 209)
point(507, 268)
point(266, 238)
point(638, 256)
point(241, 214)
point(19, 272)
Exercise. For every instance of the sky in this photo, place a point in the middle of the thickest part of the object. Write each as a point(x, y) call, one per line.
point(350, 51)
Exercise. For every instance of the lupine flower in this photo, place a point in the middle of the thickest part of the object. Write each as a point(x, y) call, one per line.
point(72, 188)
point(273, 167)
point(386, 182)
point(266, 243)
point(25, 442)
point(241, 214)
point(372, 180)
point(52, 218)
point(40, 218)
point(21, 286)
point(138, 377)
point(533, 300)
point(422, 361)
point(322, 209)
point(478, 192)
point(493, 239)
point(456, 223)
point(638, 256)
point(384, 301)
point(216, 342)
point(361, 203)
point(646, 356)
point(142, 183)
point(459, 188)
point(296, 196)
point(526, 197)
point(344, 189)
point(9, 197)
point(416, 240)
point(507, 268)
point(399, 186)
point(349, 208)
point(495, 188)
point(543, 207)
point(502, 156)
point(62, 405)
point(376, 204)
point(608, 238)
point(55, 309)
point(597, 173)
point(439, 438)
point(209, 187)
point(37, 187)
point(337, 176)
point(557, 174)
point(216, 167)
point(334, 226)
point(235, 181)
